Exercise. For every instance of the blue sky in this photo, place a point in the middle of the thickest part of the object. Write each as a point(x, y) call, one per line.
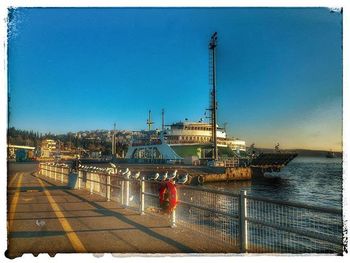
point(279, 75)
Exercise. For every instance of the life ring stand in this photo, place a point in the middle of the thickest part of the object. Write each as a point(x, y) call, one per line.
point(168, 197)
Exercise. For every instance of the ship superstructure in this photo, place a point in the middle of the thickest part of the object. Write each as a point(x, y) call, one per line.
point(183, 139)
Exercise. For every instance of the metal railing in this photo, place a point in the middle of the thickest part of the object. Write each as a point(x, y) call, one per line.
point(291, 227)
point(247, 223)
point(55, 171)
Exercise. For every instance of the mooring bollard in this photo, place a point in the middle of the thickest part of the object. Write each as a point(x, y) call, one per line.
point(142, 196)
point(173, 219)
point(108, 188)
point(243, 224)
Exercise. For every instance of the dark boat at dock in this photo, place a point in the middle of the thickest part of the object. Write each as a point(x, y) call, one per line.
point(330, 154)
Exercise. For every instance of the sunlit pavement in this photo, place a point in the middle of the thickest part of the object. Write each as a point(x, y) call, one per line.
point(45, 216)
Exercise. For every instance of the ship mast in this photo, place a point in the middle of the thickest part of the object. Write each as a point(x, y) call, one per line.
point(213, 106)
point(162, 119)
point(149, 121)
point(114, 150)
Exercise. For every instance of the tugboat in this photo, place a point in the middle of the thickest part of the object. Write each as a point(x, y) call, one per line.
point(330, 154)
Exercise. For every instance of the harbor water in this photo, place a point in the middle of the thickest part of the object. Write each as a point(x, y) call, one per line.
point(310, 180)
point(306, 180)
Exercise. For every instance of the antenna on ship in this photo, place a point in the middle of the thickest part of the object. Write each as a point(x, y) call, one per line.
point(149, 121)
point(113, 142)
point(212, 80)
point(225, 126)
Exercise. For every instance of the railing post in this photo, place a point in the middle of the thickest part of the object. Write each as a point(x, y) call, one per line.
point(243, 224)
point(62, 175)
point(173, 219)
point(80, 175)
point(98, 184)
point(91, 182)
point(108, 187)
point(122, 197)
point(127, 192)
point(142, 196)
point(50, 171)
point(55, 172)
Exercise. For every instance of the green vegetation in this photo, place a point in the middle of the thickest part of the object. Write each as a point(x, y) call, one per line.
point(22, 137)
point(65, 141)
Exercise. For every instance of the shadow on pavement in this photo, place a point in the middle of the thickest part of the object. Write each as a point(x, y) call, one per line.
point(106, 212)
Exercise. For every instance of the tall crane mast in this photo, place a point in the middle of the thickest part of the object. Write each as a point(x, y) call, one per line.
point(213, 106)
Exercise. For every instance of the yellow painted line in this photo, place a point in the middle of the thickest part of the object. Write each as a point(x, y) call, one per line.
point(72, 236)
point(14, 204)
point(12, 179)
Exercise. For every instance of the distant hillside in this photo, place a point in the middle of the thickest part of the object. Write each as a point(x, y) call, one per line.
point(302, 152)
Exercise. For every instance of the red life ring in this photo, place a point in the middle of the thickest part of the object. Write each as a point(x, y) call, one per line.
point(168, 196)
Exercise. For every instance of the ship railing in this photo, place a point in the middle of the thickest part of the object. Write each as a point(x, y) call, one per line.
point(248, 223)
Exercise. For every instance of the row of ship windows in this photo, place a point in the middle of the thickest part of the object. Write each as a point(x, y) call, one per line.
point(197, 138)
point(195, 128)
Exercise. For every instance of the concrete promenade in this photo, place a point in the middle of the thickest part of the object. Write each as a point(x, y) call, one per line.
point(45, 216)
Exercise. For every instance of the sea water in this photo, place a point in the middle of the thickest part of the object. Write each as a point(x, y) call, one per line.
point(314, 181)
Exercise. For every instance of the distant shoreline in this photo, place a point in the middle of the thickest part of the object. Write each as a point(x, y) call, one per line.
point(303, 152)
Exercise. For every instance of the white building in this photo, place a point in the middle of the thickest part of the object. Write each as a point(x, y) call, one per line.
point(48, 148)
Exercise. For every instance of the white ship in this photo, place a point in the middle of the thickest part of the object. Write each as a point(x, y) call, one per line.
point(182, 140)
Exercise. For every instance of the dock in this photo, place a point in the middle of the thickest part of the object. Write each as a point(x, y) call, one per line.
point(45, 216)
point(54, 209)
